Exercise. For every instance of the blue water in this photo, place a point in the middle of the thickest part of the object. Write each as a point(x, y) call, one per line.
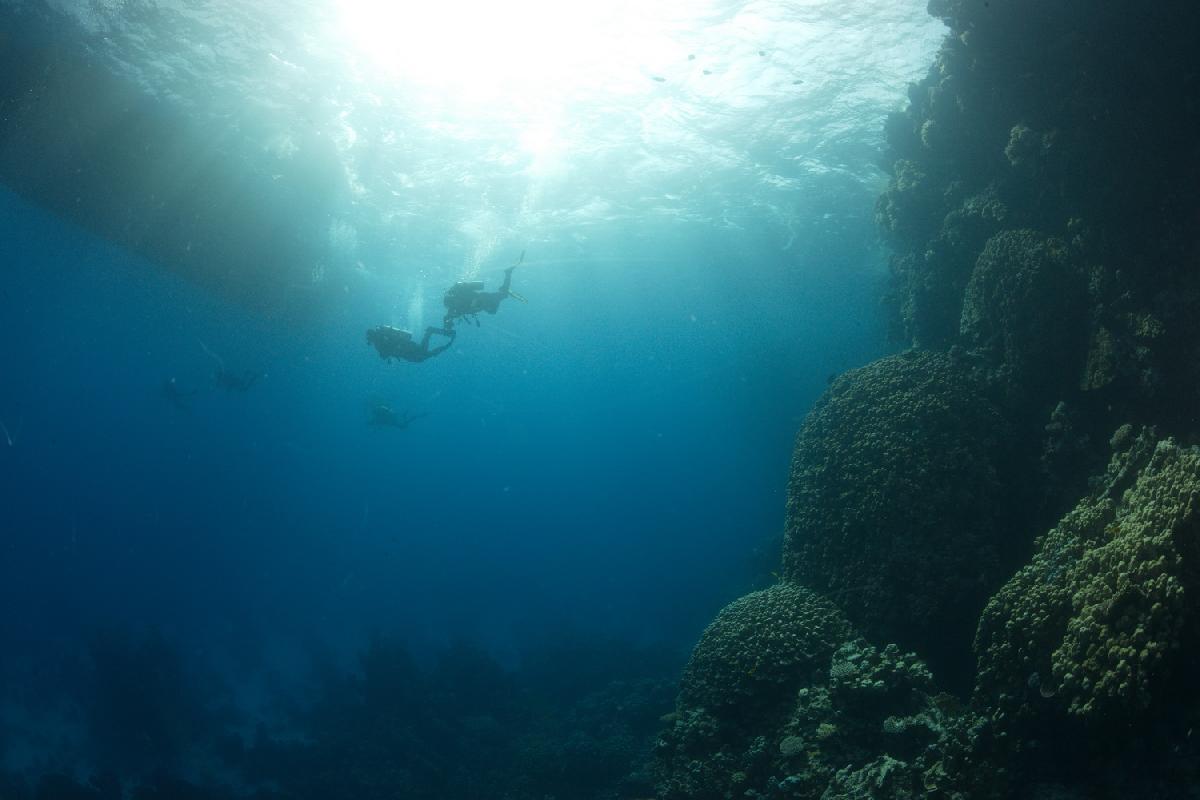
point(600, 456)
point(605, 462)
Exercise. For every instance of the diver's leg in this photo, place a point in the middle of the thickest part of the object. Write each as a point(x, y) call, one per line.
point(430, 331)
point(507, 280)
point(213, 356)
point(10, 437)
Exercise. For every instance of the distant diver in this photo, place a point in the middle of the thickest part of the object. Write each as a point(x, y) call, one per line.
point(177, 396)
point(226, 379)
point(236, 381)
point(9, 437)
point(384, 417)
point(396, 343)
point(466, 299)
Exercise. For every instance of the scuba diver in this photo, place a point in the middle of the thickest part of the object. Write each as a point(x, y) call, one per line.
point(10, 437)
point(235, 381)
point(231, 381)
point(396, 343)
point(384, 417)
point(177, 396)
point(466, 299)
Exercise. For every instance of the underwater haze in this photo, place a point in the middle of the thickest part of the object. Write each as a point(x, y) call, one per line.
point(230, 527)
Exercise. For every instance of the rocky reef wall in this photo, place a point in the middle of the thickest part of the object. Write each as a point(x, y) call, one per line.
point(1013, 498)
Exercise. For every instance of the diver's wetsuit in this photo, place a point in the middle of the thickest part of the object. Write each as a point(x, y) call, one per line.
point(383, 416)
point(235, 382)
point(394, 343)
point(464, 300)
point(176, 396)
point(490, 301)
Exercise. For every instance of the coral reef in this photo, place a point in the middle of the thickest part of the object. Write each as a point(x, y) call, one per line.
point(1005, 316)
point(759, 650)
point(1042, 211)
point(1025, 107)
point(1043, 208)
point(870, 724)
point(1092, 626)
point(895, 503)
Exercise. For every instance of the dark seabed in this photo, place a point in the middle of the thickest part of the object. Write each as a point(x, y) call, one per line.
point(838, 438)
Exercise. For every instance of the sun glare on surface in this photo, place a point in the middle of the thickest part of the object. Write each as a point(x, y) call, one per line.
point(482, 52)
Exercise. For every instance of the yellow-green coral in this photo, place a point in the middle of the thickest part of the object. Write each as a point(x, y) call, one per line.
point(1098, 612)
point(1102, 362)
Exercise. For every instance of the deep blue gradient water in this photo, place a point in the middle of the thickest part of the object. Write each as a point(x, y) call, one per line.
point(607, 456)
point(692, 192)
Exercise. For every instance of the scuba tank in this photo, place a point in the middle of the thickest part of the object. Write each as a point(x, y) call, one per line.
point(465, 287)
point(461, 293)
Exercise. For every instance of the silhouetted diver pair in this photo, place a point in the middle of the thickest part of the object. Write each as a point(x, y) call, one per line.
point(464, 300)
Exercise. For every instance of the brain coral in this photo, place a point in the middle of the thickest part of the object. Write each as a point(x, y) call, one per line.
point(1089, 626)
point(760, 649)
point(894, 502)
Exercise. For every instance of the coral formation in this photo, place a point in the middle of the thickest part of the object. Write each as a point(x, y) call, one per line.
point(1006, 318)
point(895, 502)
point(869, 725)
point(1042, 209)
point(760, 649)
point(1043, 206)
point(1090, 628)
point(1032, 114)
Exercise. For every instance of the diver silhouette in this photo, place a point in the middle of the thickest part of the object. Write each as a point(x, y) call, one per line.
point(384, 417)
point(236, 381)
point(227, 379)
point(10, 437)
point(392, 343)
point(466, 299)
point(176, 396)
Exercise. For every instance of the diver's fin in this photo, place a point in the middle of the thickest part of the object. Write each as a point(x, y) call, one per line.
point(516, 296)
point(521, 259)
point(212, 355)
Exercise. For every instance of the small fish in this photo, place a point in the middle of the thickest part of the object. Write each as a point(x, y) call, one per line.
point(659, 78)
